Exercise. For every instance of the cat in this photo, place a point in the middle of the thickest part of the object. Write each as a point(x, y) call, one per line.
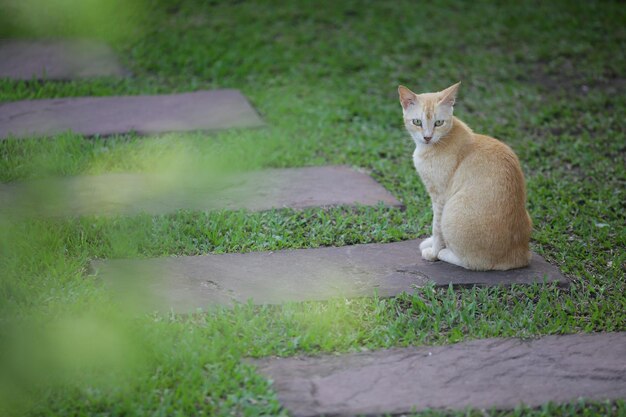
point(475, 183)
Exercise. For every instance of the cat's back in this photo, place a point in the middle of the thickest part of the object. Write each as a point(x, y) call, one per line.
point(494, 148)
point(485, 219)
point(490, 163)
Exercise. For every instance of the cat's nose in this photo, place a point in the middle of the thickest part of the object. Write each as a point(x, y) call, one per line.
point(427, 138)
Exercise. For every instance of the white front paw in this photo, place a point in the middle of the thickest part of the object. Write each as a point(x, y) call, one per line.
point(426, 243)
point(429, 254)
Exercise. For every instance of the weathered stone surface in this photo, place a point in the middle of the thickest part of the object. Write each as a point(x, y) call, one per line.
point(57, 59)
point(135, 193)
point(90, 116)
point(190, 282)
point(483, 374)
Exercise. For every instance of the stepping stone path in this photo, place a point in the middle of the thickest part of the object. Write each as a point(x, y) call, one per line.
point(202, 110)
point(135, 193)
point(482, 374)
point(187, 283)
point(57, 60)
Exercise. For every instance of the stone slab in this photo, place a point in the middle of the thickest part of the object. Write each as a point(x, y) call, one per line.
point(112, 194)
point(105, 116)
point(186, 283)
point(57, 60)
point(482, 374)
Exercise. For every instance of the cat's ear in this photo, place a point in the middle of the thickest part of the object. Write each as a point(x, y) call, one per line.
point(448, 96)
point(407, 97)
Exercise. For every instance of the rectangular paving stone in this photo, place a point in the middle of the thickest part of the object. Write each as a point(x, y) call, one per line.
point(482, 374)
point(187, 283)
point(22, 59)
point(111, 194)
point(104, 116)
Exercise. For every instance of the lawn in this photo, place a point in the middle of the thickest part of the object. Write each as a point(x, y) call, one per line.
point(547, 78)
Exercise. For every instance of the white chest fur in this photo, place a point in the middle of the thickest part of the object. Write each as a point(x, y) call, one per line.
point(436, 170)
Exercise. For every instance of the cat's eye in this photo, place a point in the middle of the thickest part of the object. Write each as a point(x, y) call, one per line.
point(438, 123)
point(417, 122)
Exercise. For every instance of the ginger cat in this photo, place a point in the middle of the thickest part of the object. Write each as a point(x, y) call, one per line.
point(476, 187)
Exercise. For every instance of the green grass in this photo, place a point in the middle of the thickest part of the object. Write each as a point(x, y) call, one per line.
point(547, 78)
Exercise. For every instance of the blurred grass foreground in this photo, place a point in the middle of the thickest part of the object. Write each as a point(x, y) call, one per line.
point(104, 19)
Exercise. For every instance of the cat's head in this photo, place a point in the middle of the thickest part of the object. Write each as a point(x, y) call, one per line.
point(428, 116)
